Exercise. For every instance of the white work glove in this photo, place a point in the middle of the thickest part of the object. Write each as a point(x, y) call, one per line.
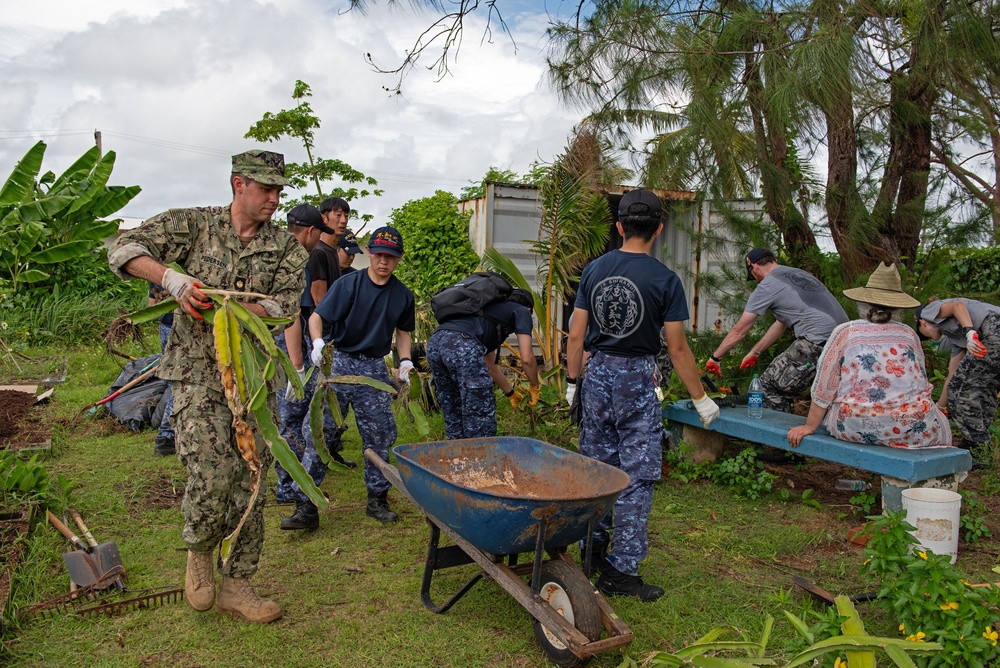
point(403, 374)
point(317, 352)
point(975, 346)
point(290, 390)
point(570, 392)
point(185, 290)
point(707, 409)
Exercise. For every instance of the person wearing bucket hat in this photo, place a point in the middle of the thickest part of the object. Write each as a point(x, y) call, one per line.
point(871, 382)
point(970, 391)
point(626, 298)
point(365, 309)
point(236, 248)
point(798, 301)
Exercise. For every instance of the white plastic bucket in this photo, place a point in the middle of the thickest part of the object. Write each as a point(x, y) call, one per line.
point(935, 514)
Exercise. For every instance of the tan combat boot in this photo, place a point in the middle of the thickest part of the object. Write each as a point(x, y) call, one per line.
point(199, 583)
point(237, 597)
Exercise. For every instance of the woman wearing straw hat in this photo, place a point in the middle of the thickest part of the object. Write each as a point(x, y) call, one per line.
point(871, 384)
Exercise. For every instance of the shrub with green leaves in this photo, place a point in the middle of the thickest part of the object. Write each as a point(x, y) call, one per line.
point(438, 252)
point(744, 475)
point(931, 598)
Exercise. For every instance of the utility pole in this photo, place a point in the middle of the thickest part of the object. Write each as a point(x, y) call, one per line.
point(97, 140)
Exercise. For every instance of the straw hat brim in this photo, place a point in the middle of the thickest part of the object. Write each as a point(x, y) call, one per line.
point(879, 297)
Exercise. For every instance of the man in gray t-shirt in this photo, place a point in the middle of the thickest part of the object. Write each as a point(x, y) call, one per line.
point(798, 301)
point(970, 392)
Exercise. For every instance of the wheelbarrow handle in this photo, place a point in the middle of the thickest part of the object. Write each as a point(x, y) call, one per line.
point(64, 530)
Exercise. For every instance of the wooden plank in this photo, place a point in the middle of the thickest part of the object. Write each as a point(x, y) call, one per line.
point(772, 430)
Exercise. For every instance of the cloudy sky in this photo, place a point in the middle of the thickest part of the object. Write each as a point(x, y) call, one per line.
point(173, 85)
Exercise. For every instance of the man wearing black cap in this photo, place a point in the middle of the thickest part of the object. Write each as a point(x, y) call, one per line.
point(798, 301)
point(306, 225)
point(625, 298)
point(365, 309)
point(236, 248)
point(347, 248)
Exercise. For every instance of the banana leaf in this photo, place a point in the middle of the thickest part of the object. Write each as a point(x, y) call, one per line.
point(22, 179)
point(77, 171)
point(284, 456)
point(62, 252)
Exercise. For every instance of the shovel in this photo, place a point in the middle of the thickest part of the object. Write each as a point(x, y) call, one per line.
point(88, 564)
point(118, 581)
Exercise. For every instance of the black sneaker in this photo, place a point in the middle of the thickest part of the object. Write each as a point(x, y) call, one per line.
point(378, 507)
point(598, 557)
point(778, 456)
point(164, 446)
point(615, 583)
point(343, 462)
point(305, 517)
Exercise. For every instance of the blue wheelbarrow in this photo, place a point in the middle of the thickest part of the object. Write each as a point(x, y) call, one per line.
point(498, 497)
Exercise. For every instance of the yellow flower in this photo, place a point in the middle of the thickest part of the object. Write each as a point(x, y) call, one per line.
point(991, 635)
point(950, 605)
point(840, 663)
point(902, 628)
point(922, 555)
point(867, 561)
point(917, 637)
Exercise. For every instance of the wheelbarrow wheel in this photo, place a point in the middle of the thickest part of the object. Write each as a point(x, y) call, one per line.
point(566, 589)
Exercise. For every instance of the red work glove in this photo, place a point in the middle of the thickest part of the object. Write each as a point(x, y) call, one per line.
point(712, 366)
point(975, 346)
point(749, 360)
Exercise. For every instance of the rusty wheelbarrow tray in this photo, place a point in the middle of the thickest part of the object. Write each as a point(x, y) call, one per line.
point(498, 497)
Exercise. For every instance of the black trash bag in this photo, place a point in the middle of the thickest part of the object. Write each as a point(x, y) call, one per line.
point(135, 408)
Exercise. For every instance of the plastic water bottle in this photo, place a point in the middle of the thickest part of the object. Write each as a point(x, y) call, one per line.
point(853, 485)
point(755, 402)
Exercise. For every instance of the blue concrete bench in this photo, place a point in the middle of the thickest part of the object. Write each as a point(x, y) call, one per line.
point(937, 467)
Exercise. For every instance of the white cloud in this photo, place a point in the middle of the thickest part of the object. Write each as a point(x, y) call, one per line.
point(173, 86)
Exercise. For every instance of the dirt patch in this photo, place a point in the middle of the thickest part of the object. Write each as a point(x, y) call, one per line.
point(13, 528)
point(14, 407)
point(161, 494)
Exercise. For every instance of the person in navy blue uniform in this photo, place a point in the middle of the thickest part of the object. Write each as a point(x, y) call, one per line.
point(625, 298)
point(462, 354)
point(306, 224)
point(365, 309)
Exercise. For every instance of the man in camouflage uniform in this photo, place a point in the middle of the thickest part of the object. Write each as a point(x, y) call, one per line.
point(972, 328)
point(236, 248)
point(799, 301)
point(625, 298)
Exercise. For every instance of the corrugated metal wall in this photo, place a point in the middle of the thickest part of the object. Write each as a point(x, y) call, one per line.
point(508, 218)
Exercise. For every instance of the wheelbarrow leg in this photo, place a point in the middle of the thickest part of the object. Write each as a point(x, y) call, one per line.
point(439, 558)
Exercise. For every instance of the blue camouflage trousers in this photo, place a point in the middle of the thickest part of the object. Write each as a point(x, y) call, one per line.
point(218, 486)
point(622, 427)
point(790, 375)
point(463, 385)
point(372, 411)
point(165, 430)
point(972, 390)
point(297, 431)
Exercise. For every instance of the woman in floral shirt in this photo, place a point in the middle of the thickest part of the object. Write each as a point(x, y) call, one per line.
point(871, 384)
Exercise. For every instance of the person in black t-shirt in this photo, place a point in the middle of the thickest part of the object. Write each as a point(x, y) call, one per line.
point(365, 309)
point(462, 354)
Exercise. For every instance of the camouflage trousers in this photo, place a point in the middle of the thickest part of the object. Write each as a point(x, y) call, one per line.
point(463, 385)
point(218, 486)
point(790, 375)
point(372, 411)
point(972, 390)
point(297, 431)
point(622, 427)
point(165, 430)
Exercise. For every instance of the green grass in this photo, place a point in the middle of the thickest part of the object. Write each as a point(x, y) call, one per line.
point(350, 591)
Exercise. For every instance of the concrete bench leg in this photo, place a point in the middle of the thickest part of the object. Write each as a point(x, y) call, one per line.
point(892, 488)
point(703, 445)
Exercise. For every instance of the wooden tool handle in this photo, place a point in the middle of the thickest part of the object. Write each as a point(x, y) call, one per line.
point(83, 527)
point(64, 530)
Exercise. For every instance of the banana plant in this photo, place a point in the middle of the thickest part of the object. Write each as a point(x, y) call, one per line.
point(47, 220)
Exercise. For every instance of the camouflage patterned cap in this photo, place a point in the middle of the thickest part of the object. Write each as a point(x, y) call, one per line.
point(265, 167)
